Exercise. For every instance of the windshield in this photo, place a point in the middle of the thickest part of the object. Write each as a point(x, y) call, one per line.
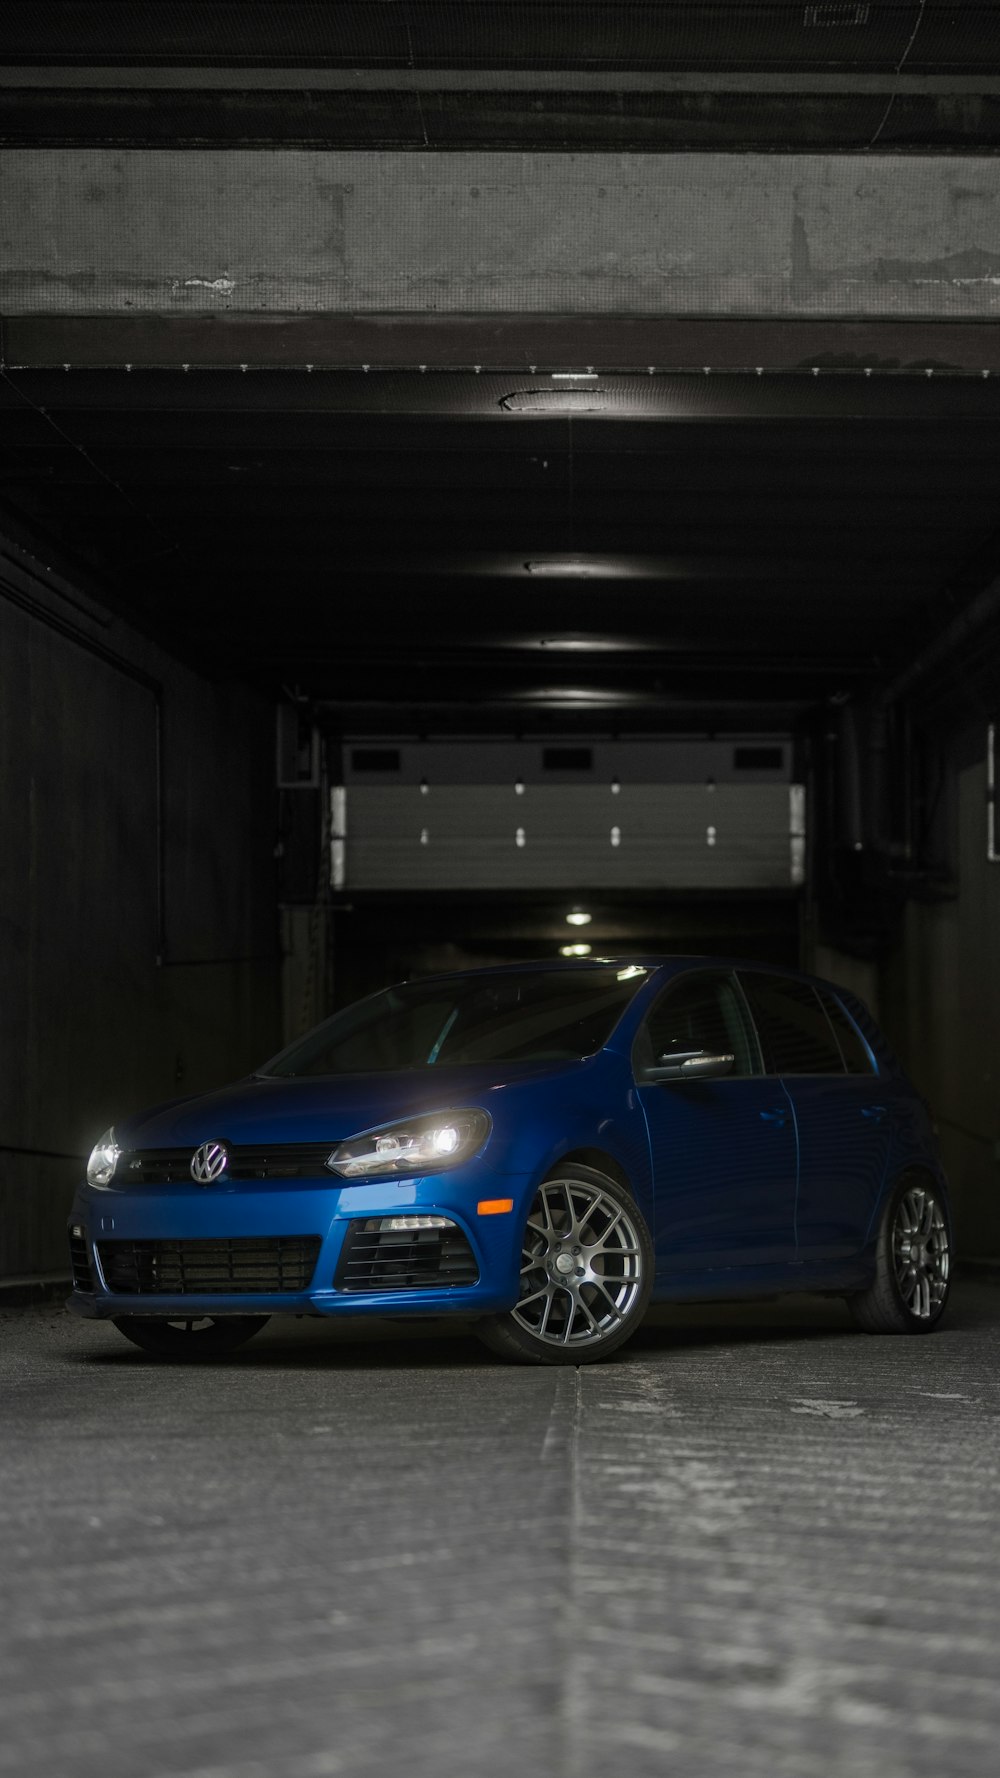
point(534, 1016)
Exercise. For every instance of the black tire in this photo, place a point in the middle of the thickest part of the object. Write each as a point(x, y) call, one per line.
point(579, 1315)
point(190, 1340)
point(910, 1288)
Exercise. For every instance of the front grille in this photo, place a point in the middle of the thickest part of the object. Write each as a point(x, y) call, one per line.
point(172, 1166)
point(79, 1255)
point(246, 1265)
point(375, 1258)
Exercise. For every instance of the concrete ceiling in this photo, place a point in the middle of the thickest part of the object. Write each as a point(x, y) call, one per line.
point(621, 366)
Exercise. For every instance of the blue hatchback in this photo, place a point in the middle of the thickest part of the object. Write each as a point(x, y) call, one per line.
point(544, 1149)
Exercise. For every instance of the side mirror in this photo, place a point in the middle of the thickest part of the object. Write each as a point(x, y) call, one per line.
point(689, 1065)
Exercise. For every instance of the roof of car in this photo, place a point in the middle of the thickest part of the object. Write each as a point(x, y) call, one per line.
point(623, 960)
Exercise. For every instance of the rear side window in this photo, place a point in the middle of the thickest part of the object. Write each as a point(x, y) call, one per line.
point(852, 1046)
point(700, 1012)
point(795, 1033)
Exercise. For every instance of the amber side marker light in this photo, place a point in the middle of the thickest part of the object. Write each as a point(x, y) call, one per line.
point(495, 1206)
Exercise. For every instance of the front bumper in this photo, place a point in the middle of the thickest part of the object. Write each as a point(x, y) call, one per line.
point(322, 1211)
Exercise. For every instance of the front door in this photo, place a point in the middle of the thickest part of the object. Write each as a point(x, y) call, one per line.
point(723, 1150)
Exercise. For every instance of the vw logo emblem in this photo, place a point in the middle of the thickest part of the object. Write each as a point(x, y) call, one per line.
point(209, 1162)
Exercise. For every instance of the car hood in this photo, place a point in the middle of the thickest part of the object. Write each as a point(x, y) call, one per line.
point(322, 1109)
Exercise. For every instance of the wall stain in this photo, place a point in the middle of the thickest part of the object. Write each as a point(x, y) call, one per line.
point(225, 286)
point(972, 265)
point(802, 274)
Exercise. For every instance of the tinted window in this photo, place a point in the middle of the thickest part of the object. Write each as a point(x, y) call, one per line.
point(530, 1016)
point(852, 1046)
point(700, 1012)
point(795, 1033)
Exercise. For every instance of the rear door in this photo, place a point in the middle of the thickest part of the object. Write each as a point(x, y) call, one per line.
point(843, 1120)
point(723, 1150)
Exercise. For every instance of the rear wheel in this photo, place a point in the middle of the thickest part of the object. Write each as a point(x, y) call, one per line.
point(190, 1338)
point(586, 1273)
point(912, 1263)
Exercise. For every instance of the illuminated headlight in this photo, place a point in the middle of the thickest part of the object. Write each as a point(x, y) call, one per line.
point(103, 1160)
point(418, 1145)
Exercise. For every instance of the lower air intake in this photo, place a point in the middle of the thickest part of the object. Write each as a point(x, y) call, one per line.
point(242, 1266)
point(377, 1257)
point(80, 1261)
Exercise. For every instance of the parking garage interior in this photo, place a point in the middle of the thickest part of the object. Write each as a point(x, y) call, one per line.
point(477, 479)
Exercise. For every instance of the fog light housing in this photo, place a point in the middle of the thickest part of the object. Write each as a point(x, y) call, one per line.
point(400, 1224)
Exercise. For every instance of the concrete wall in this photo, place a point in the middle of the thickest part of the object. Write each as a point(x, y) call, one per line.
point(937, 996)
point(170, 231)
point(941, 1005)
point(93, 1025)
point(854, 973)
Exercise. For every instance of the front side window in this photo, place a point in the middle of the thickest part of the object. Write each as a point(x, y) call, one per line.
point(700, 1012)
point(529, 1016)
point(795, 1033)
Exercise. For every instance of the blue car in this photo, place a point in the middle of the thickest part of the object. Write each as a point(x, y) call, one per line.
point(544, 1149)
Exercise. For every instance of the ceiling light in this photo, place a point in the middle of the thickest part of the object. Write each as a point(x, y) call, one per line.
point(579, 697)
point(574, 376)
point(578, 918)
point(574, 950)
point(578, 397)
point(575, 568)
point(581, 644)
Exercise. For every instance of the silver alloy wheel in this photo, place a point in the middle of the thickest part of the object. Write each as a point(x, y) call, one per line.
point(920, 1252)
point(581, 1265)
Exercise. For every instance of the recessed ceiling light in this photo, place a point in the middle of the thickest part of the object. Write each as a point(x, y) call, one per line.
point(573, 395)
point(582, 644)
point(578, 918)
point(575, 950)
point(581, 697)
point(576, 568)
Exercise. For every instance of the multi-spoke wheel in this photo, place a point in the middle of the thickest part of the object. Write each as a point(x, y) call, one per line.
point(912, 1265)
point(586, 1273)
point(190, 1338)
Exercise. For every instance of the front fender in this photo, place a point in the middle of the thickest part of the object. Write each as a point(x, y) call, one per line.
point(596, 1111)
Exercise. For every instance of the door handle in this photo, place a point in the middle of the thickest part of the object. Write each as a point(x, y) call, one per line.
point(779, 1116)
point(876, 1111)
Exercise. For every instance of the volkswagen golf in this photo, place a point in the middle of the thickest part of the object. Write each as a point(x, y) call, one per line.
point(543, 1149)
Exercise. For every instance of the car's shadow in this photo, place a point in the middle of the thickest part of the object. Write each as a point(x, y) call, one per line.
point(314, 1344)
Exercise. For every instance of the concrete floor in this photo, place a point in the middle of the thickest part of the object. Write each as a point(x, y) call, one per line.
point(757, 1543)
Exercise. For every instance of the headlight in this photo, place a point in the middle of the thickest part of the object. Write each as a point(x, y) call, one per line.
point(103, 1160)
point(416, 1145)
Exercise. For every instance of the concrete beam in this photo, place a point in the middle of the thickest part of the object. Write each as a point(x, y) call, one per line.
point(850, 81)
point(178, 232)
point(516, 343)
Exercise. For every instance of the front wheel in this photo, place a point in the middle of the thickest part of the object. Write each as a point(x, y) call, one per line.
point(586, 1273)
point(912, 1263)
point(190, 1338)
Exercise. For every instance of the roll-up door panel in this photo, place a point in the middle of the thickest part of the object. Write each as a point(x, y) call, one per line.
point(466, 836)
